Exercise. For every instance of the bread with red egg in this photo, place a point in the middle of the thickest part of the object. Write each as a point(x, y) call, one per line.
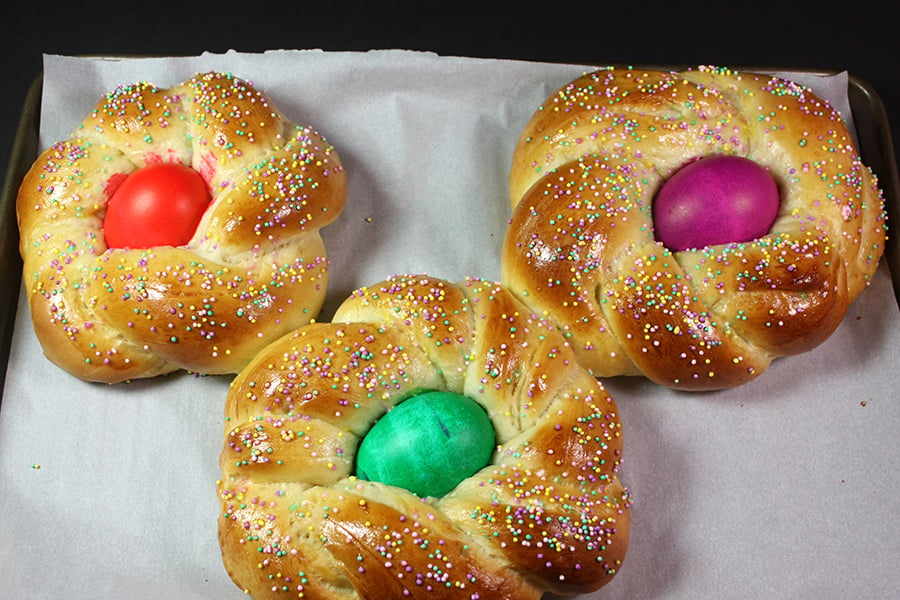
point(126, 278)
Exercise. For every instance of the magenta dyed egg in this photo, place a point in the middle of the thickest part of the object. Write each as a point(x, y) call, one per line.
point(715, 200)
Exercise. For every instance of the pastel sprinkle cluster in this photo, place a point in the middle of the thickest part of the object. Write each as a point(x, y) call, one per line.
point(581, 248)
point(255, 269)
point(547, 514)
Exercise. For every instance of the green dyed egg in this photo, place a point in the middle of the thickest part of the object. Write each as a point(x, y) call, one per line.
point(427, 444)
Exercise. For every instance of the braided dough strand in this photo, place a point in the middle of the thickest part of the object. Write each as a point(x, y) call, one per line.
point(547, 513)
point(255, 269)
point(580, 248)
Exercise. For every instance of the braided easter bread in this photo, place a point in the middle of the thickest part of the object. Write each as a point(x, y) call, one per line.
point(547, 511)
point(252, 268)
point(583, 250)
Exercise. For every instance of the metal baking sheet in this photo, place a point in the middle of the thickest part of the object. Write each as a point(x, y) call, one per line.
point(25, 150)
point(758, 437)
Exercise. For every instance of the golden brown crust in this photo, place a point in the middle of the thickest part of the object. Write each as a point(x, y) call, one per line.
point(547, 513)
point(255, 269)
point(580, 247)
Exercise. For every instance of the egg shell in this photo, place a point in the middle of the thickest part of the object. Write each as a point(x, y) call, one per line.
point(427, 444)
point(715, 200)
point(160, 204)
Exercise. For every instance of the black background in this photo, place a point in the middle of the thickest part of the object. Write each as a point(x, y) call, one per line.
point(858, 38)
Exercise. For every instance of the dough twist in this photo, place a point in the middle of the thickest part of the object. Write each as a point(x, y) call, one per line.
point(580, 247)
point(547, 513)
point(254, 270)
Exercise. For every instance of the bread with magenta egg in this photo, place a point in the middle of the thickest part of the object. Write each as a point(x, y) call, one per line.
point(436, 440)
point(690, 226)
point(177, 228)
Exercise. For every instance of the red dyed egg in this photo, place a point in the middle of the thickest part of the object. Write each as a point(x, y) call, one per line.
point(715, 200)
point(158, 205)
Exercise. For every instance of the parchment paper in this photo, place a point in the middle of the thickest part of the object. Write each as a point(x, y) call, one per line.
point(784, 488)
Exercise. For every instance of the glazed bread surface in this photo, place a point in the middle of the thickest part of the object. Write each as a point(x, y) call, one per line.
point(581, 250)
point(548, 513)
point(255, 269)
